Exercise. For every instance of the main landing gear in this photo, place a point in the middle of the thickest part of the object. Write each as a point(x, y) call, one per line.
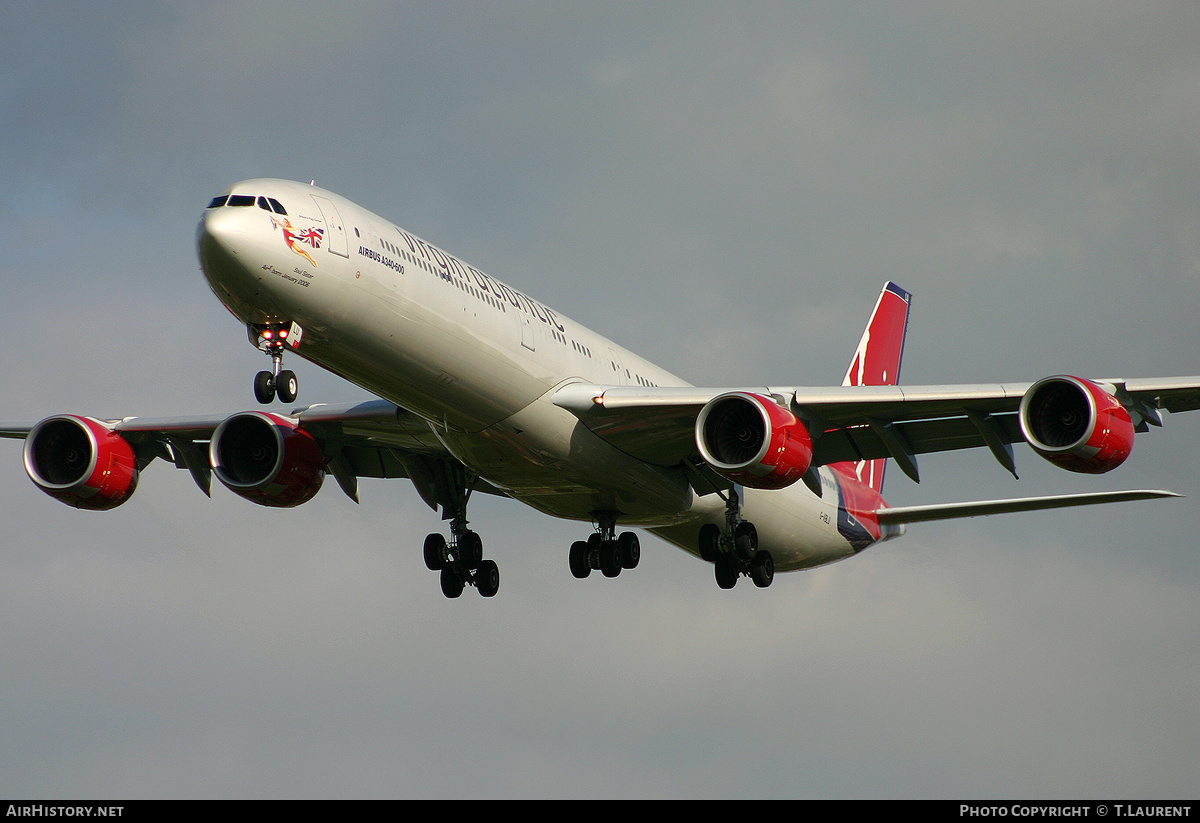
point(604, 550)
point(278, 381)
point(735, 550)
point(461, 563)
point(460, 560)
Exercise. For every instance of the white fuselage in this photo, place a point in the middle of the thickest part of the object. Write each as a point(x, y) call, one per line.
point(478, 360)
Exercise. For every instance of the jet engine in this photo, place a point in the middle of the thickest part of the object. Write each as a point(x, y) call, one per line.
point(752, 440)
point(81, 461)
point(267, 459)
point(1076, 424)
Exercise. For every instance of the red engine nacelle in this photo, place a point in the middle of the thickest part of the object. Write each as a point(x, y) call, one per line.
point(1076, 425)
point(267, 459)
point(81, 461)
point(753, 440)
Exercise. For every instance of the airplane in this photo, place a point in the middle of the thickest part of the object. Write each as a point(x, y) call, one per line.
point(482, 388)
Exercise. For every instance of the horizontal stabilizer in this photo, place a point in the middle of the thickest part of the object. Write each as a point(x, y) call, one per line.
point(978, 508)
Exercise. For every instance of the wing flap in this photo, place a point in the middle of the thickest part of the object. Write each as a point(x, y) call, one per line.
point(1175, 394)
point(922, 436)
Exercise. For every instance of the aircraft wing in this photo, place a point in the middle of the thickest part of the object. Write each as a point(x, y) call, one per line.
point(371, 439)
point(851, 423)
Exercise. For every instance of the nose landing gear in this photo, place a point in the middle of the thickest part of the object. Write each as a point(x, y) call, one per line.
point(278, 382)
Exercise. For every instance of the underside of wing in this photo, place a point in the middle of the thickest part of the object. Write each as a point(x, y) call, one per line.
point(845, 422)
point(853, 423)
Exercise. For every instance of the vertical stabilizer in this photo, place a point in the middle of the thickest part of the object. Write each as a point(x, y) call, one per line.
point(876, 362)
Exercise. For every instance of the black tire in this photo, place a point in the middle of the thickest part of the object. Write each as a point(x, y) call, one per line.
point(745, 539)
point(287, 387)
point(578, 558)
point(726, 572)
point(487, 579)
point(470, 549)
point(630, 549)
point(452, 584)
point(763, 570)
point(610, 559)
point(435, 552)
point(264, 387)
point(710, 542)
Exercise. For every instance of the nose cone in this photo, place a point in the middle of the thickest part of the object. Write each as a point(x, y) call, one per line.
point(226, 240)
point(221, 235)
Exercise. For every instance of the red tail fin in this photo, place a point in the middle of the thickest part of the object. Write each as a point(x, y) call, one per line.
point(877, 362)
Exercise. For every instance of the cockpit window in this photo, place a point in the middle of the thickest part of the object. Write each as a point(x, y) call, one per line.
point(264, 203)
point(271, 204)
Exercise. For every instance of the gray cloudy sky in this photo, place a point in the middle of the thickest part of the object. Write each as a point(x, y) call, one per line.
point(722, 187)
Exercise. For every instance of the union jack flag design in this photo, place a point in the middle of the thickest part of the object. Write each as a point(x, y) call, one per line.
point(312, 237)
point(294, 237)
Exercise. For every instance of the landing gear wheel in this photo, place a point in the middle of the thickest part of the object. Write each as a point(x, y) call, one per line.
point(605, 549)
point(578, 558)
point(435, 552)
point(630, 550)
point(745, 539)
point(610, 559)
point(487, 579)
point(727, 573)
point(452, 584)
point(762, 570)
point(264, 387)
point(470, 549)
point(287, 386)
point(710, 545)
